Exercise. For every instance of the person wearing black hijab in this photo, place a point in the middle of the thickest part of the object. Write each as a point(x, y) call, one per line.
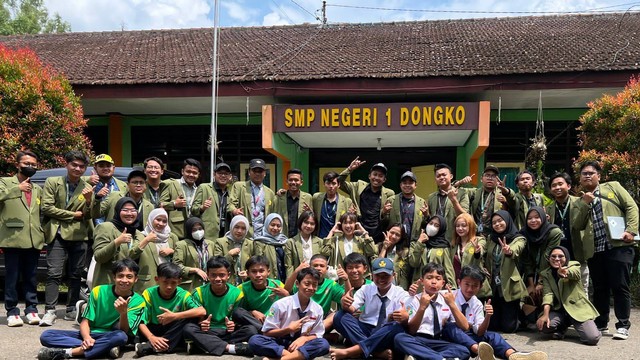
point(541, 237)
point(564, 300)
point(501, 260)
point(192, 254)
point(113, 240)
point(432, 246)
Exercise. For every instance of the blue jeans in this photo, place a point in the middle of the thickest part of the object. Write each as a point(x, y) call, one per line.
point(65, 339)
point(20, 262)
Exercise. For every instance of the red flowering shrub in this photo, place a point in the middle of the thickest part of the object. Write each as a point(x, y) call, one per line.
point(38, 111)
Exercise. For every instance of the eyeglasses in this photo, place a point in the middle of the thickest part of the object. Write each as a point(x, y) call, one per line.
point(557, 256)
point(137, 183)
point(588, 173)
point(129, 211)
point(490, 176)
point(223, 174)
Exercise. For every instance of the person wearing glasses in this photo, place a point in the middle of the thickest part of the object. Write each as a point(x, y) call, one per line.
point(136, 187)
point(610, 266)
point(210, 202)
point(487, 199)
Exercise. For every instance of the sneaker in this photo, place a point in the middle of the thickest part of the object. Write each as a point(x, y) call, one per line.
point(532, 355)
point(621, 334)
point(409, 357)
point(144, 349)
point(79, 310)
point(557, 335)
point(190, 347)
point(70, 315)
point(604, 330)
point(49, 318)
point(243, 349)
point(485, 351)
point(33, 318)
point(52, 354)
point(14, 320)
point(115, 353)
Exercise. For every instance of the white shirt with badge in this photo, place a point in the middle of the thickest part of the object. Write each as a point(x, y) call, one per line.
point(426, 326)
point(367, 295)
point(475, 310)
point(284, 311)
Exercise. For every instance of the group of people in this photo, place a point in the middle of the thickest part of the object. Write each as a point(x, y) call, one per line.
point(241, 269)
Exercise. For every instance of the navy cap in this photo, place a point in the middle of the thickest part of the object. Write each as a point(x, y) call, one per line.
point(380, 167)
point(257, 163)
point(491, 168)
point(222, 165)
point(409, 174)
point(382, 265)
point(136, 173)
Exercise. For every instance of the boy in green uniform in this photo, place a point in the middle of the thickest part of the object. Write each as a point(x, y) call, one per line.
point(218, 333)
point(328, 290)
point(260, 292)
point(169, 308)
point(109, 307)
point(355, 265)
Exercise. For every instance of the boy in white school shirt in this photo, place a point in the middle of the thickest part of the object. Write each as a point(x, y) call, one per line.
point(477, 339)
point(382, 316)
point(429, 311)
point(293, 328)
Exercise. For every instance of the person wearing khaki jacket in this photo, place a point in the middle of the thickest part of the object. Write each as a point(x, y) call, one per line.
point(394, 213)
point(192, 254)
point(329, 206)
point(210, 203)
point(21, 237)
point(448, 201)
point(565, 301)
point(177, 197)
point(66, 206)
point(236, 248)
point(302, 201)
point(303, 245)
point(519, 203)
point(487, 199)
point(335, 245)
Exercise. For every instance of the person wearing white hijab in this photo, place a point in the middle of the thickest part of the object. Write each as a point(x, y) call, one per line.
point(236, 248)
point(271, 245)
point(157, 247)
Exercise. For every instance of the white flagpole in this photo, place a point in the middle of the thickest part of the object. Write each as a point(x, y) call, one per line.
point(214, 87)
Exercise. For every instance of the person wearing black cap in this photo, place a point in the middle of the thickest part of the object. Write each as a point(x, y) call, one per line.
point(136, 187)
point(252, 198)
point(487, 199)
point(210, 202)
point(177, 198)
point(448, 201)
point(564, 301)
point(407, 208)
point(370, 197)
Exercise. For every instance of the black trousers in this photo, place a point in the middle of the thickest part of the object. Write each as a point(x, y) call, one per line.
point(172, 332)
point(214, 341)
point(610, 272)
point(505, 315)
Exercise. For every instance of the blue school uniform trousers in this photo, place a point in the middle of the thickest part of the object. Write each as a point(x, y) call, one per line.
point(370, 338)
point(65, 339)
point(454, 334)
point(273, 347)
point(426, 347)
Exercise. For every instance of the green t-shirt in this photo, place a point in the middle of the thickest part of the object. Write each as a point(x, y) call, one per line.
point(260, 300)
point(181, 301)
point(102, 315)
point(327, 292)
point(218, 307)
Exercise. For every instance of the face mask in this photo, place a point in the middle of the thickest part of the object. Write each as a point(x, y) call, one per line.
point(198, 234)
point(27, 171)
point(432, 230)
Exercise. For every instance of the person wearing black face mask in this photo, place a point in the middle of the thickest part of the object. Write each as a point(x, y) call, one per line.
point(21, 237)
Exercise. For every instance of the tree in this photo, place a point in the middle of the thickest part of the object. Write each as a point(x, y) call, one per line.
point(29, 17)
point(609, 134)
point(38, 111)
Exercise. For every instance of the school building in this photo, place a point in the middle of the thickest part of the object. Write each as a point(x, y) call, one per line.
point(408, 94)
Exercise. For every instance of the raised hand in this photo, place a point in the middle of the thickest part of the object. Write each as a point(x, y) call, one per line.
point(563, 271)
point(488, 308)
point(356, 163)
point(506, 250)
point(296, 325)
point(452, 194)
point(303, 265)
point(413, 289)
point(425, 299)
point(401, 315)
point(229, 324)
point(449, 297)
point(87, 192)
point(103, 192)
point(476, 246)
point(341, 273)
point(425, 210)
point(121, 305)
point(501, 184)
point(238, 211)
point(278, 291)
point(465, 180)
point(94, 178)
point(388, 205)
point(207, 203)
point(166, 317)
point(205, 324)
point(423, 237)
point(180, 202)
point(25, 186)
point(347, 299)
point(124, 238)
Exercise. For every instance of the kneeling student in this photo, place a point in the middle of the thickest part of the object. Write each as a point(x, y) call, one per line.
point(109, 307)
point(477, 338)
point(293, 328)
point(429, 312)
point(218, 333)
point(169, 308)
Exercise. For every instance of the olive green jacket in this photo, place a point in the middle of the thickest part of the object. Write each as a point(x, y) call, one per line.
point(294, 254)
point(148, 259)
point(568, 294)
point(147, 194)
point(518, 206)
point(419, 256)
point(20, 223)
point(211, 216)
point(419, 220)
point(223, 245)
point(580, 216)
point(616, 201)
point(269, 252)
point(355, 188)
point(105, 251)
point(59, 214)
point(177, 217)
point(469, 258)
point(449, 211)
point(107, 208)
point(281, 208)
point(510, 279)
point(240, 197)
point(186, 257)
point(534, 258)
point(362, 245)
point(475, 199)
point(344, 203)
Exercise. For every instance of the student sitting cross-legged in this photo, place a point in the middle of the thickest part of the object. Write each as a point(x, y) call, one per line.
point(110, 307)
point(382, 317)
point(293, 327)
point(169, 308)
point(477, 338)
point(260, 292)
point(218, 333)
point(429, 312)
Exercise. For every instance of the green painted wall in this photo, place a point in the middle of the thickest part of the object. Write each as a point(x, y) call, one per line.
point(298, 156)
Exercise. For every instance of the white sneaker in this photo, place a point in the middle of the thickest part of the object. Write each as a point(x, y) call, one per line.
point(621, 334)
point(33, 318)
point(49, 318)
point(14, 320)
point(532, 355)
point(485, 351)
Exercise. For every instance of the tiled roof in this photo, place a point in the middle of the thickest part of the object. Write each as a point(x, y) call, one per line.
point(496, 46)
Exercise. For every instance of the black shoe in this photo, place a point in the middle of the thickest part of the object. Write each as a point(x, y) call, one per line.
point(52, 354)
point(243, 349)
point(115, 352)
point(144, 349)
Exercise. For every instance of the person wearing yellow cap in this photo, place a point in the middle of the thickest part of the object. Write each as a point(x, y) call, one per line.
point(104, 181)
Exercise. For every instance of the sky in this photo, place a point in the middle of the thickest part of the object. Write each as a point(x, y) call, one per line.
point(116, 15)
